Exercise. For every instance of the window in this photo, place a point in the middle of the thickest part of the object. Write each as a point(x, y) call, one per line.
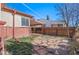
point(54, 25)
point(60, 25)
point(24, 22)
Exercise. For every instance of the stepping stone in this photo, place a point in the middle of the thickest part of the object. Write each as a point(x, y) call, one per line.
point(65, 44)
point(36, 47)
point(65, 41)
point(63, 52)
point(42, 51)
point(51, 51)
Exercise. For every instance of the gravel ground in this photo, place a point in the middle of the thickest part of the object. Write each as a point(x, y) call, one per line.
point(50, 45)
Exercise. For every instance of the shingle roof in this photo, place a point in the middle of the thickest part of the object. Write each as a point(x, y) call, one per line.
point(35, 22)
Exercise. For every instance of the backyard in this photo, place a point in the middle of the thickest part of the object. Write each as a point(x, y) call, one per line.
point(39, 44)
point(49, 34)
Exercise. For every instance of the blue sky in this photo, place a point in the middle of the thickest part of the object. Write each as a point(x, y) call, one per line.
point(41, 9)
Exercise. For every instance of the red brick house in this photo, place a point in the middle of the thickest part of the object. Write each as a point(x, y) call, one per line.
point(17, 23)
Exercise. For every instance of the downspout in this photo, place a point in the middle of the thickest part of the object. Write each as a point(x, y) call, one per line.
point(14, 12)
point(30, 26)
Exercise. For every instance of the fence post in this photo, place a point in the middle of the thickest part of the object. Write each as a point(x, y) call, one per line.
point(56, 31)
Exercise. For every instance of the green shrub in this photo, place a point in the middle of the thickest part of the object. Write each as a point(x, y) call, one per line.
point(24, 47)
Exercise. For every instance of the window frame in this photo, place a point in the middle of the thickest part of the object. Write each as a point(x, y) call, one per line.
point(60, 25)
point(26, 19)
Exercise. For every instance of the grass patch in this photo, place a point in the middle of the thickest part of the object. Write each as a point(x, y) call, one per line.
point(26, 39)
point(24, 47)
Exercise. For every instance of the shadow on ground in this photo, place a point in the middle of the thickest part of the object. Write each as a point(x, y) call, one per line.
point(27, 48)
point(43, 50)
point(21, 48)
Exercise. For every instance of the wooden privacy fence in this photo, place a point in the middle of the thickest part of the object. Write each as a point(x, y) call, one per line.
point(62, 31)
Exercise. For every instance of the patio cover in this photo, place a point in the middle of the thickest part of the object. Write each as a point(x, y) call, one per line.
point(35, 22)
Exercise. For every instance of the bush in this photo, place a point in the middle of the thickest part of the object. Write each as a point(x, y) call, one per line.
point(24, 47)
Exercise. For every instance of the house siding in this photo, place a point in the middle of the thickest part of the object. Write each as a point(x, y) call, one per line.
point(19, 31)
point(8, 18)
point(18, 21)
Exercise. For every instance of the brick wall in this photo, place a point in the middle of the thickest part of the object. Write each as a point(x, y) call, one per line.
point(7, 32)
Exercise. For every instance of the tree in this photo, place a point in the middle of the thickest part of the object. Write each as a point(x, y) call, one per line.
point(47, 18)
point(75, 15)
point(70, 14)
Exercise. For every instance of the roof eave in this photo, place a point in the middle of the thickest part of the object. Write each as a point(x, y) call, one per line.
point(12, 11)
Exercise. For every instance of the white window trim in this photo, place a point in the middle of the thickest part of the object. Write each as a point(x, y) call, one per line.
point(28, 21)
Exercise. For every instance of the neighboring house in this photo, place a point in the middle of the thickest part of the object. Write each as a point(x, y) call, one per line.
point(17, 23)
point(36, 23)
point(36, 26)
point(40, 24)
point(51, 23)
point(58, 24)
